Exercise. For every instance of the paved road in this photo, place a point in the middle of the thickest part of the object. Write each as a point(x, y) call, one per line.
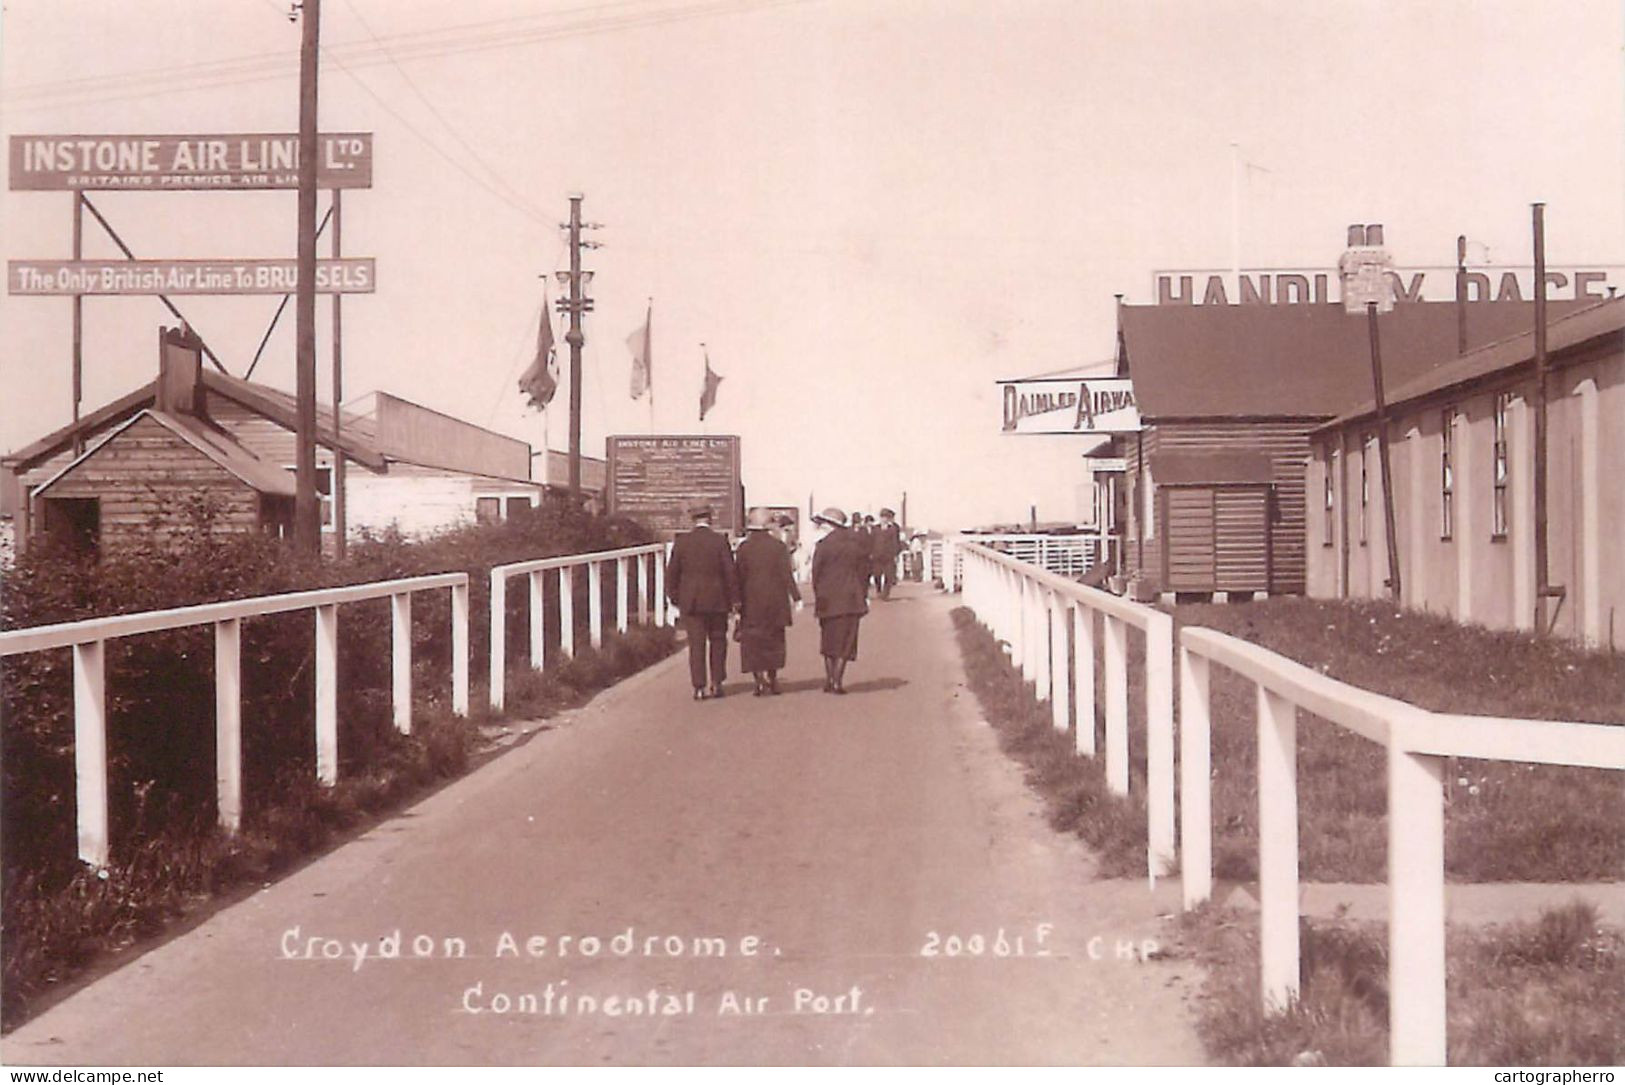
point(824, 840)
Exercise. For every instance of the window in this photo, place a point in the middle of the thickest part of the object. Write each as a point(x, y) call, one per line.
point(1365, 484)
point(494, 508)
point(1329, 503)
point(1447, 476)
point(324, 491)
point(1498, 506)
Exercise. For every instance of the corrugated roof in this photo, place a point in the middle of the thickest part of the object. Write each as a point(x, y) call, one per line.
point(1295, 361)
point(210, 441)
point(1575, 329)
point(356, 436)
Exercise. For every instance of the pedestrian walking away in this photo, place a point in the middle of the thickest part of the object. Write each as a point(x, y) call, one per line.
point(703, 585)
point(840, 578)
point(767, 590)
point(886, 545)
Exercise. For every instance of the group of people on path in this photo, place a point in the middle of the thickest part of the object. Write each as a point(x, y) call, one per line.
point(707, 581)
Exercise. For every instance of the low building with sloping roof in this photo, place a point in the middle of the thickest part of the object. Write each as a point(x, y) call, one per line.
point(1462, 462)
point(140, 462)
point(1242, 387)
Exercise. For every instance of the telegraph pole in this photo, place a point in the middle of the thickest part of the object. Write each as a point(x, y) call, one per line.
point(574, 304)
point(307, 528)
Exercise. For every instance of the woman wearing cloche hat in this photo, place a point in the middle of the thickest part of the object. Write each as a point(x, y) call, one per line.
point(840, 576)
point(767, 587)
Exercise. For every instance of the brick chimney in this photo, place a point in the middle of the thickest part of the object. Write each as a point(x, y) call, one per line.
point(180, 372)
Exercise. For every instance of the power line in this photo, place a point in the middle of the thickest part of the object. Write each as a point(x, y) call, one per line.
point(420, 45)
point(441, 117)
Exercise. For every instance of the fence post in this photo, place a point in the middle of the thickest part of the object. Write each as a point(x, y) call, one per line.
point(642, 561)
point(659, 589)
point(595, 603)
point(1416, 916)
point(499, 638)
point(1043, 687)
point(621, 578)
point(228, 723)
point(538, 620)
point(400, 647)
point(90, 749)
point(1083, 632)
point(567, 610)
point(1195, 779)
point(1278, 849)
point(1116, 704)
point(1061, 666)
point(327, 694)
point(1159, 742)
point(459, 648)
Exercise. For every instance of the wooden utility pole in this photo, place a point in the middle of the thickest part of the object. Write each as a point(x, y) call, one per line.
point(1390, 533)
point(307, 527)
point(78, 322)
point(1543, 584)
point(575, 339)
point(340, 511)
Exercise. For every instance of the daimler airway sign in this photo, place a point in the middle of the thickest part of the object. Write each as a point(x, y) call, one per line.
point(178, 163)
point(1070, 405)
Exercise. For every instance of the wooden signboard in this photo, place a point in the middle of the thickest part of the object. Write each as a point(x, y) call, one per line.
point(657, 479)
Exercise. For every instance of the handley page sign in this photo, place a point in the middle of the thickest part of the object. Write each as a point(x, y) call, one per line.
point(62, 277)
point(1070, 405)
point(169, 163)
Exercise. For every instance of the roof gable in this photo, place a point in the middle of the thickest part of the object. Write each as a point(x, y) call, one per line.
point(214, 444)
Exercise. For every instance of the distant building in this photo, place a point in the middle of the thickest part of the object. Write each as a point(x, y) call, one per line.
point(1461, 438)
point(193, 437)
point(1228, 397)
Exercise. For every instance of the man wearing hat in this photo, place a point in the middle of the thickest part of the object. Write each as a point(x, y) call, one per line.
point(840, 579)
point(702, 583)
point(886, 545)
point(767, 586)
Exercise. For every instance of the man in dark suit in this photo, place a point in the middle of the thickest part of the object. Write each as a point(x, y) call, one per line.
point(888, 543)
point(702, 583)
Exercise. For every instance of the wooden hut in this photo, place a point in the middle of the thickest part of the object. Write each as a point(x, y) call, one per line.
point(1228, 396)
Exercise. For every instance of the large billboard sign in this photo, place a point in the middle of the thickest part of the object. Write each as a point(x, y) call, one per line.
point(1320, 286)
point(1072, 405)
point(180, 163)
point(355, 275)
point(657, 480)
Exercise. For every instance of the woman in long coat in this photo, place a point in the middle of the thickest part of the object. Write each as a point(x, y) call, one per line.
point(840, 579)
point(767, 586)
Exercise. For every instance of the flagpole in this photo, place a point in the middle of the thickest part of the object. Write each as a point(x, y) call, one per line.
point(648, 360)
point(705, 367)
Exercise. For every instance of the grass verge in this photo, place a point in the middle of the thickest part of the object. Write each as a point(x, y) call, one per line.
point(1073, 788)
point(1543, 992)
point(1503, 821)
point(166, 873)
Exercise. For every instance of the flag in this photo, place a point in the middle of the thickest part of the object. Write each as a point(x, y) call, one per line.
point(541, 380)
point(638, 342)
point(708, 393)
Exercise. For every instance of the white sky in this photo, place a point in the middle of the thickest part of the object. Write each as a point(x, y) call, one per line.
point(869, 209)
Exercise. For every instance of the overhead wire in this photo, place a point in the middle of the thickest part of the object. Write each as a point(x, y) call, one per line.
point(449, 41)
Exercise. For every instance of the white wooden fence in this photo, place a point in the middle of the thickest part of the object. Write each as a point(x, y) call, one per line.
point(1049, 623)
point(1030, 608)
point(1418, 742)
point(88, 640)
point(1068, 555)
point(650, 593)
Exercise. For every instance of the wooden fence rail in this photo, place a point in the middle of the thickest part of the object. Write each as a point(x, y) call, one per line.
point(88, 640)
point(1049, 623)
point(650, 592)
point(1417, 741)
